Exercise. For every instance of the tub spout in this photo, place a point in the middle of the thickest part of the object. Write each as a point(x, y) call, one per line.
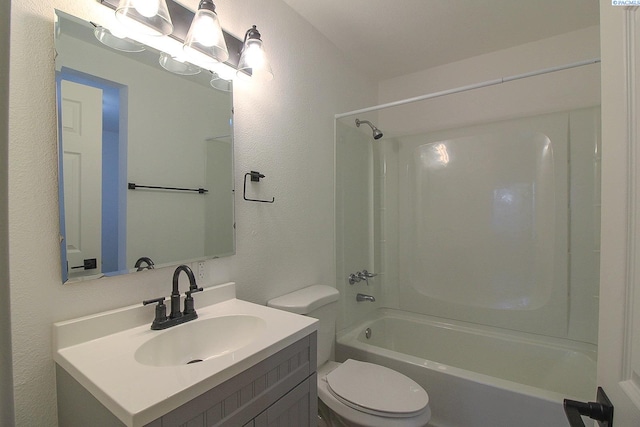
point(363, 297)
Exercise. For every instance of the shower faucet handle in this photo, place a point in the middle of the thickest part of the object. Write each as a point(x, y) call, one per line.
point(368, 275)
point(354, 278)
point(359, 276)
point(365, 275)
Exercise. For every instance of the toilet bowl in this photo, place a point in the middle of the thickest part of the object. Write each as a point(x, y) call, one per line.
point(355, 393)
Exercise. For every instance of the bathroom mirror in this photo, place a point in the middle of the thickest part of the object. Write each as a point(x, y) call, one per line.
point(126, 126)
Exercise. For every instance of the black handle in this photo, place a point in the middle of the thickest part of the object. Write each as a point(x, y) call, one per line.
point(161, 312)
point(151, 301)
point(601, 410)
point(133, 186)
point(193, 291)
point(188, 301)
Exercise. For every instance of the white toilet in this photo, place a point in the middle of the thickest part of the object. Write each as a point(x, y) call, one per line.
point(355, 393)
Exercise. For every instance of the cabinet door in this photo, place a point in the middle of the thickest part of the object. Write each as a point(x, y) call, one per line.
point(240, 399)
point(298, 408)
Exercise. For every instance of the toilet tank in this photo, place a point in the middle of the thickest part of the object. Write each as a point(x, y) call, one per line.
point(319, 302)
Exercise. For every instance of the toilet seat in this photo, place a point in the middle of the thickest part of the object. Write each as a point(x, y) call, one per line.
point(376, 390)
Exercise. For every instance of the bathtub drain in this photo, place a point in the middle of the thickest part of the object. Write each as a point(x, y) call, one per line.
point(367, 333)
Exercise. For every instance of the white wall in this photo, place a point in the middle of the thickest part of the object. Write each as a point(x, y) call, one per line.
point(560, 91)
point(283, 129)
point(6, 377)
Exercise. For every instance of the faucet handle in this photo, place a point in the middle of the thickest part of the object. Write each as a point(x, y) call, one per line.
point(161, 312)
point(368, 275)
point(160, 301)
point(354, 278)
point(365, 275)
point(193, 291)
point(188, 301)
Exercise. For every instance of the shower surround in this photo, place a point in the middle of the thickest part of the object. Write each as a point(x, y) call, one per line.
point(492, 226)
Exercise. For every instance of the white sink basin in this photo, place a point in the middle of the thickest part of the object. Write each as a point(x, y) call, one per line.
point(200, 340)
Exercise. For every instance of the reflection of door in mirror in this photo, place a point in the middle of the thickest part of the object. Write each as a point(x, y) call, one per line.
point(82, 134)
point(94, 159)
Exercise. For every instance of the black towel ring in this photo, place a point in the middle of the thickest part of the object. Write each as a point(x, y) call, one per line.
point(255, 177)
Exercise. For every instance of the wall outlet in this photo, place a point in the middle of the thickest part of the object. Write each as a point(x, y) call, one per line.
point(200, 270)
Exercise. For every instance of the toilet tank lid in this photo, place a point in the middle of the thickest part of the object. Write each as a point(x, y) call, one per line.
point(304, 301)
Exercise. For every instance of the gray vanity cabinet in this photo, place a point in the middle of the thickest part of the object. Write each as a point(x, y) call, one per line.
point(281, 391)
point(293, 409)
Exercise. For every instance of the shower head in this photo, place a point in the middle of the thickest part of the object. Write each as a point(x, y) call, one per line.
point(376, 132)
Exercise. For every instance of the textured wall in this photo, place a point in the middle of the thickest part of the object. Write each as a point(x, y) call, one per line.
point(284, 129)
point(560, 91)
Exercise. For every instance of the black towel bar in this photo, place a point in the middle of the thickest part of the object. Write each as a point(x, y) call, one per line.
point(133, 186)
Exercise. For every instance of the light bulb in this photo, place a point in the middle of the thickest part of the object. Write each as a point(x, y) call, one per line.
point(254, 55)
point(147, 8)
point(204, 30)
point(149, 17)
point(205, 40)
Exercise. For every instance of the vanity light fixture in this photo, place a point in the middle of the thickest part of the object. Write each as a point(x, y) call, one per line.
point(205, 40)
point(253, 60)
point(116, 41)
point(149, 17)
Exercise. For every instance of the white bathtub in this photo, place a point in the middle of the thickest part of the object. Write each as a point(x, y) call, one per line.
point(475, 375)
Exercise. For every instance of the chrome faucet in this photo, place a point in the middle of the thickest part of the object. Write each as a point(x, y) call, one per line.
point(176, 317)
point(138, 265)
point(360, 275)
point(354, 278)
point(363, 297)
point(365, 275)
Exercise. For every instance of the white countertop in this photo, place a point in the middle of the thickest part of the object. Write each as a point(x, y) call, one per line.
point(98, 352)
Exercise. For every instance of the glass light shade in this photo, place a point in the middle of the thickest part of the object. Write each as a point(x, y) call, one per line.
point(254, 63)
point(205, 41)
point(219, 83)
point(177, 65)
point(114, 41)
point(149, 17)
